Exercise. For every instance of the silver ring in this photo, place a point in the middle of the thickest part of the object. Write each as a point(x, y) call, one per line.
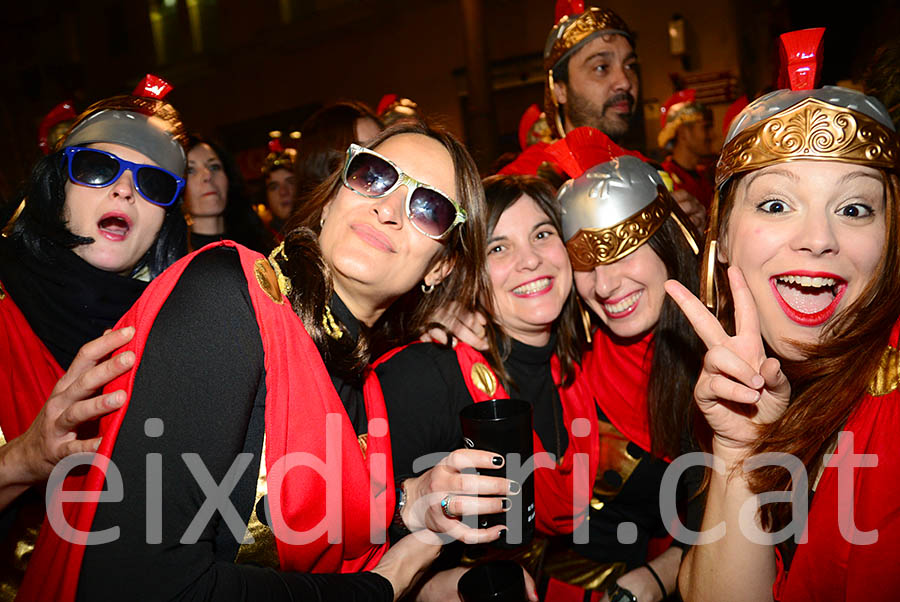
point(445, 508)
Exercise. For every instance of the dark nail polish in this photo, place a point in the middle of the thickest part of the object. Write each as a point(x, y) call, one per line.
point(497, 460)
point(506, 504)
point(514, 487)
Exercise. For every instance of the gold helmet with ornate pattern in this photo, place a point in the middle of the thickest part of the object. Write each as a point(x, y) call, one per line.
point(615, 201)
point(799, 123)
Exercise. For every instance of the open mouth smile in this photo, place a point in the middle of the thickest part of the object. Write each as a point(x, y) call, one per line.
point(808, 298)
point(534, 288)
point(622, 307)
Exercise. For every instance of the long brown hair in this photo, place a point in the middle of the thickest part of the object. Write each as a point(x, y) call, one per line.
point(828, 387)
point(311, 279)
point(501, 192)
point(326, 135)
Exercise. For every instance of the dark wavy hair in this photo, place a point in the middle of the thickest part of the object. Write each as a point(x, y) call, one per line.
point(41, 226)
point(242, 224)
point(408, 316)
point(677, 350)
point(501, 192)
point(326, 135)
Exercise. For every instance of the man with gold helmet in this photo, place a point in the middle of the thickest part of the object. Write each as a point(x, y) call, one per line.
point(803, 399)
point(686, 136)
point(592, 80)
point(591, 77)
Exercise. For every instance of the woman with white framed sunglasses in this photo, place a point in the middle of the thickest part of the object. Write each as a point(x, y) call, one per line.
point(255, 361)
point(98, 220)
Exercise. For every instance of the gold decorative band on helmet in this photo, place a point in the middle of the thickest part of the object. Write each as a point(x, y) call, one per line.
point(591, 247)
point(570, 32)
point(814, 130)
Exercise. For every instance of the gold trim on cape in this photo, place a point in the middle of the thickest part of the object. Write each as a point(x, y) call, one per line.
point(613, 456)
point(483, 378)
point(570, 567)
point(262, 549)
point(812, 129)
point(267, 280)
point(887, 376)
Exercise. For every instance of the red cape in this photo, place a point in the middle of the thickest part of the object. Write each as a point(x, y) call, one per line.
point(828, 567)
point(700, 184)
point(28, 371)
point(301, 405)
point(619, 377)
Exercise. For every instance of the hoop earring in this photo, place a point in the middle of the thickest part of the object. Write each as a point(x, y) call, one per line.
point(427, 288)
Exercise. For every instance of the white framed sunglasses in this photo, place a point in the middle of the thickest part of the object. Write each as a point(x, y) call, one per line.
point(374, 176)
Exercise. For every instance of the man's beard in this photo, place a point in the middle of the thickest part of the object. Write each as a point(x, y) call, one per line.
point(581, 111)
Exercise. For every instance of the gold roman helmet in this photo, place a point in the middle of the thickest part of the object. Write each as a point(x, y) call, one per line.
point(799, 123)
point(574, 27)
point(614, 203)
point(681, 108)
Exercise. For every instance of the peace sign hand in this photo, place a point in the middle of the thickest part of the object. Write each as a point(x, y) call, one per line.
point(739, 388)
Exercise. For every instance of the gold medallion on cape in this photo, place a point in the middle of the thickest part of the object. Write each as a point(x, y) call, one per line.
point(267, 280)
point(887, 376)
point(483, 379)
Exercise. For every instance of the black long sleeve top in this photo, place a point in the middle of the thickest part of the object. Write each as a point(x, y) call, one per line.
point(202, 375)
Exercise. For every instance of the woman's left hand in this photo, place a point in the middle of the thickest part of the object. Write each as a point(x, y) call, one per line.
point(437, 498)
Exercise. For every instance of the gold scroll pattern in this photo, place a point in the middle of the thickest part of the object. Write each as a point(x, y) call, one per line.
point(812, 129)
point(599, 246)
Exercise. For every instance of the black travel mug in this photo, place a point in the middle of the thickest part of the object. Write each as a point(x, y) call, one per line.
point(504, 426)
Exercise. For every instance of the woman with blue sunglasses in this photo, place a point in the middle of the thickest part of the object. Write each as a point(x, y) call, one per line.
point(98, 221)
point(249, 380)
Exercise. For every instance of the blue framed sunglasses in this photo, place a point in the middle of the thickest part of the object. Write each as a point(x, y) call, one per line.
point(97, 169)
point(374, 176)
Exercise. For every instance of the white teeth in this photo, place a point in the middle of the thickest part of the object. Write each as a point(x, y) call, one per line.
point(624, 304)
point(532, 287)
point(808, 281)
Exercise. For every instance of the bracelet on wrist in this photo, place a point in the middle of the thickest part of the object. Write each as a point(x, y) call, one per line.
point(659, 582)
point(397, 523)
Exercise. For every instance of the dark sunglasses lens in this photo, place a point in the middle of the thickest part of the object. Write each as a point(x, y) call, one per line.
point(370, 175)
point(431, 211)
point(93, 168)
point(156, 185)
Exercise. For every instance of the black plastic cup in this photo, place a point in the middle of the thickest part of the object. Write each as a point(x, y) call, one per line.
point(498, 581)
point(504, 426)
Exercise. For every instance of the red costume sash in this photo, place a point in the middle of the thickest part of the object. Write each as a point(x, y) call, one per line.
point(828, 567)
point(301, 407)
point(28, 371)
point(699, 183)
point(555, 488)
point(619, 376)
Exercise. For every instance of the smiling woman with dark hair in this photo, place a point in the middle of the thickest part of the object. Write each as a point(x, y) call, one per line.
point(250, 369)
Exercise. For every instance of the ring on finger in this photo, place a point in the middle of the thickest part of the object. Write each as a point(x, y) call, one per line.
point(445, 508)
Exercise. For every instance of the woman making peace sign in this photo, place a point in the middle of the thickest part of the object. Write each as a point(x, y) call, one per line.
point(806, 218)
